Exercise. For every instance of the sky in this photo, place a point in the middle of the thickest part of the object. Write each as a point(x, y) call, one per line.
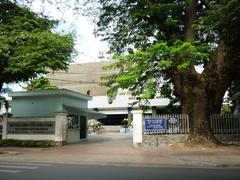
point(87, 45)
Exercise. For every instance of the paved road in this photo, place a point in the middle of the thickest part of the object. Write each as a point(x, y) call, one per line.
point(35, 171)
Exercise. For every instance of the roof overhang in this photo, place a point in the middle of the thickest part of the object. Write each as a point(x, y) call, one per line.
point(55, 92)
point(91, 114)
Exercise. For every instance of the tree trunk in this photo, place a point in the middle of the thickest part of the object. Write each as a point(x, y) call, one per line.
point(197, 105)
point(202, 94)
point(218, 74)
point(193, 91)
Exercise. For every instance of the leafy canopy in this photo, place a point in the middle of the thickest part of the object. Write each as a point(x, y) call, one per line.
point(28, 46)
point(138, 24)
point(144, 71)
point(152, 34)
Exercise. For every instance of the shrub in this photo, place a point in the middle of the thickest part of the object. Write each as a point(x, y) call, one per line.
point(26, 143)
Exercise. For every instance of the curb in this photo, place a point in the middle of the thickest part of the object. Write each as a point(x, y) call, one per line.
point(130, 164)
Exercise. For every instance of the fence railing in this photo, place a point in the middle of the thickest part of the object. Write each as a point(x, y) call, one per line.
point(225, 124)
point(166, 124)
point(179, 124)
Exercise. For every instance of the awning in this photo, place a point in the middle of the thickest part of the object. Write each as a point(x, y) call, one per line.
point(84, 111)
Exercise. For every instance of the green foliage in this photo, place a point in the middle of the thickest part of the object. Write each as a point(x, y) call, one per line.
point(40, 84)
point(150, 91)
point(141, 71)
point(223, 18)
point(28, 45)
point(225, 109)
point(26, 143)
point(165, 64)
point(135, 22)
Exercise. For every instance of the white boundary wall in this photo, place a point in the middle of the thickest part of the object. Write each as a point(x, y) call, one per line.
point(60, 134)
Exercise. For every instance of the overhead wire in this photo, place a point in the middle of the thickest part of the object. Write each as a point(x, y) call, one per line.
point(72, 81)
point(59, 72)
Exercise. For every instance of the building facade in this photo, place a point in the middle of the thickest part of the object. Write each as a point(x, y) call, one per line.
point(86, 79)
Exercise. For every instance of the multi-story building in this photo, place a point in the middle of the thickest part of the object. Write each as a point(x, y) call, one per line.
point(86, 78)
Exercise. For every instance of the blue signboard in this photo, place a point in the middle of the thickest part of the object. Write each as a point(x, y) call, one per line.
point(154, 124)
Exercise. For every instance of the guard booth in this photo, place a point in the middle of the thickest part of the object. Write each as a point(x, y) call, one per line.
point(59, 115)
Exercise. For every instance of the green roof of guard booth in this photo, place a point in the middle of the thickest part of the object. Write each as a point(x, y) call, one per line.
point(44, 103)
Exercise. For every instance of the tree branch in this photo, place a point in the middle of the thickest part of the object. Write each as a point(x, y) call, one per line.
point(191, 12)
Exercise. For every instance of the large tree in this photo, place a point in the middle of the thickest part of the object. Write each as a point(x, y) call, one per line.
point(165, 40)
point(28, 45)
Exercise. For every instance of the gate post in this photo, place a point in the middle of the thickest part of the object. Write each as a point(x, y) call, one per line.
point(137, 127)
point(4, 125)
point(61, 127)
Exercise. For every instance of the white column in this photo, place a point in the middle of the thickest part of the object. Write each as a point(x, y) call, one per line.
point(4, 126)
point(137, 127)
point(61, 127)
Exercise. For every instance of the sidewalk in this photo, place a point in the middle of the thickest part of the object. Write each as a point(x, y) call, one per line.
point(116, 149)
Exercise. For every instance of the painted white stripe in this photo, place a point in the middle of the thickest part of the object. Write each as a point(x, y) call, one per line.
point(9, 171)
point(17, 167)
point(26, 164)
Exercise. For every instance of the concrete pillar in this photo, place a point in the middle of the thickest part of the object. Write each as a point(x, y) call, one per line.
point(137, 127)
point(154, 111)
point(4, 126)
point(61, 127)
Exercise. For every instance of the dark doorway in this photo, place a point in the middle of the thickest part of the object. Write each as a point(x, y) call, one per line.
point(113, 119)
point(83, 127)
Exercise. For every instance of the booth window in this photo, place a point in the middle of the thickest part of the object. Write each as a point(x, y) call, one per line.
point(73, 121)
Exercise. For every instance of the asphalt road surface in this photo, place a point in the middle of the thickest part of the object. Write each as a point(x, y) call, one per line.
point(37, 171)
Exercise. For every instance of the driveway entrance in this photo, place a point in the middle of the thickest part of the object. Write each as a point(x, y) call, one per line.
point(110, 140)
point(99, 146)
